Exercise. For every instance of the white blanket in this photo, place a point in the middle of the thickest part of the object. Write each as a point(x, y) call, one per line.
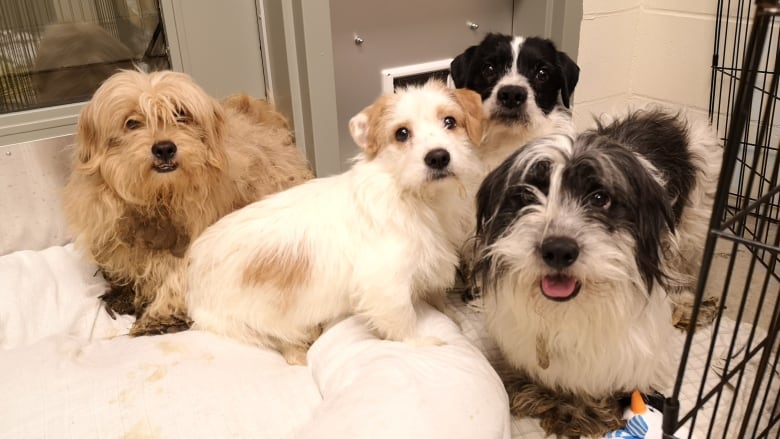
point(67, 370)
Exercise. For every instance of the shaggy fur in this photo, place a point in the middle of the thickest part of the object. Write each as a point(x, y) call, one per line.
point(561, 412)
point(157, 161)
point(371, 241)
point(583, 244)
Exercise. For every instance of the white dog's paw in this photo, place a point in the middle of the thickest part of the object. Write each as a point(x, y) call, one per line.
point(294, 356)
point(424, 341)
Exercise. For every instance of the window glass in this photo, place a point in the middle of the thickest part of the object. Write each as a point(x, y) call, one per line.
point(55, 52)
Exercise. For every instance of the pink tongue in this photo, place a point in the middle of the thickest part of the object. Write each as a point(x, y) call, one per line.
point(558, 286)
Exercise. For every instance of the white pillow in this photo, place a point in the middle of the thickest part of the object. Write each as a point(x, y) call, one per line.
point(67, 370)
point(197, 385)
point(378, 389)
point(32, 176)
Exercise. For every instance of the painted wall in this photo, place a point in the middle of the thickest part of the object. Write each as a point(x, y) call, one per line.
point(637, 52)
point(634, 52)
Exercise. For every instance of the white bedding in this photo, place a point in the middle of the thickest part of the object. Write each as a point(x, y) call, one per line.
point(68, 371)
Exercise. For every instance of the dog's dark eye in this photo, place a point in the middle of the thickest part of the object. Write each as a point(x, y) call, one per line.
point(600, 199)
point(449, 123)
point(542, 75)
point(132, 124)
point(522, 196)
point(529, 193)
point(182, 116)
point(489, 72)
point(402, 134)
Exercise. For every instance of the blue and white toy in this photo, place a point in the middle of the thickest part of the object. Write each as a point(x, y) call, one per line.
point(642, 421)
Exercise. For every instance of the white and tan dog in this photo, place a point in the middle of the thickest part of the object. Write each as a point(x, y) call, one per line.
point(371, 241)
point(157, 160)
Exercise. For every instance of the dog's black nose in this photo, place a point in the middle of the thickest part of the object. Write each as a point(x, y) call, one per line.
point(164, 150)
point(437, 158)
point(512, 96)
point(559, 252)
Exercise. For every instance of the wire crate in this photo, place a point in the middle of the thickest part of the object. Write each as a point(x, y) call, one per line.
point(739, 265)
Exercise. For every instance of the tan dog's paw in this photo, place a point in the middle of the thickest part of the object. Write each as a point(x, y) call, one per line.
point(294, 355)
point(157, 326)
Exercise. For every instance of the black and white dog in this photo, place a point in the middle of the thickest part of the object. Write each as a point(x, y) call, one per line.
point(582, 245)
point(526, 86)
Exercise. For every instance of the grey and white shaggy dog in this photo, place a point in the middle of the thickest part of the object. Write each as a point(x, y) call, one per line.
point(583, 247)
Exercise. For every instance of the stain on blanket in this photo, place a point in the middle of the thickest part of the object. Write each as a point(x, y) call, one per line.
point(142, 430)
point(158, 372)
point(150, 374)
point(122, 397)
point(169, 347)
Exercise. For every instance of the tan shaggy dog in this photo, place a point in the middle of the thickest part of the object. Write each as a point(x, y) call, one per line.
point(157, 160)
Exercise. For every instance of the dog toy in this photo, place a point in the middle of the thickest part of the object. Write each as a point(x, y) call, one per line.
point(642, 421)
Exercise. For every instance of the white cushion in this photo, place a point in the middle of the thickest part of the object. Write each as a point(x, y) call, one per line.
point(68, 370)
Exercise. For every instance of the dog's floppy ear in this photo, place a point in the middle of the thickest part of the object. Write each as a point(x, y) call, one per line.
point(645, 199)
point(219, 119)
point(471, 103)
point(491, 222)
point(571, 74)
point(362, 134)
point(490, 198)
point(215, 136)
point(459, 67)
point(366, 126)
point(87, 136)
point(654, 218)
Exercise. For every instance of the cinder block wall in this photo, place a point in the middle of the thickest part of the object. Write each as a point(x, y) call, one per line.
point(634, 52)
